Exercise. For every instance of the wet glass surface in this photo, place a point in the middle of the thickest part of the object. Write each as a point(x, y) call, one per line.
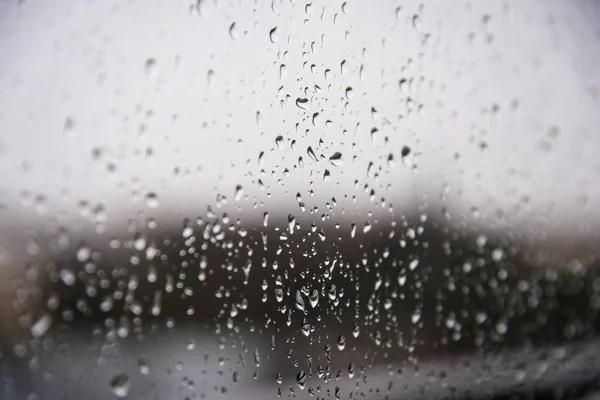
point(220, 199)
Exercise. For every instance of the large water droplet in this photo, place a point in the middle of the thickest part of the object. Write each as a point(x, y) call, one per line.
point(312, 154)
point(336, 159)
point(302, 103)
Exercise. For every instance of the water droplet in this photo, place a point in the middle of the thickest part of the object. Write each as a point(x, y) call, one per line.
point(144, 366)
point(416, 21)
point(152, 200)
point(336, 159)
point(349, 91)
point(314, 298)
point(201, 7)
point(343, 67)
point(120, 385)
point(139, 242)
point(41, 326)
point(332, 292)
point(351, 369)
point(403, 84)
point(356, 331)
point(413, 264)
point(273, 35)
point(367, 228)
point(150, 68)
point(321, 234)
point(301, 379)
point(415, 317)
point(405, 155)
point(83, 253)
point(302, 103)
point(341, 342)
point(501, 328)
point(67, 276)
point(256, 357)
point(239, 192)
point(279, 142)
point(69, 125)
point(233, 31)
point(312, 154)
point(299, 301)
point(210, 77)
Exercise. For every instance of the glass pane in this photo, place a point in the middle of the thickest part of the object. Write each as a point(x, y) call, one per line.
point(221, 199)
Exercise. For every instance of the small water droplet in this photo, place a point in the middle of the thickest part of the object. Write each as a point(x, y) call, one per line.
point(68, 126)
point(273, 35)
point(349, 91)
point(151, 68)
point(67, 276)
point(239, 192)
point(41, 326)
point(416, 21)
point(144, 366)
point(311, 153)
point(341, 342)
point(413, 264)
point(299, 301)
point(406, 155)
point(279, 142)
point(501, 328)
point(210, 77)
point(201, 7)
point(152, 200)
point(314, 298)
point(301, 379)
point(83, 253)
point(256, 357)
point(415, 317)
point(233, 31)
point(321, 234)
point(120, 385)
